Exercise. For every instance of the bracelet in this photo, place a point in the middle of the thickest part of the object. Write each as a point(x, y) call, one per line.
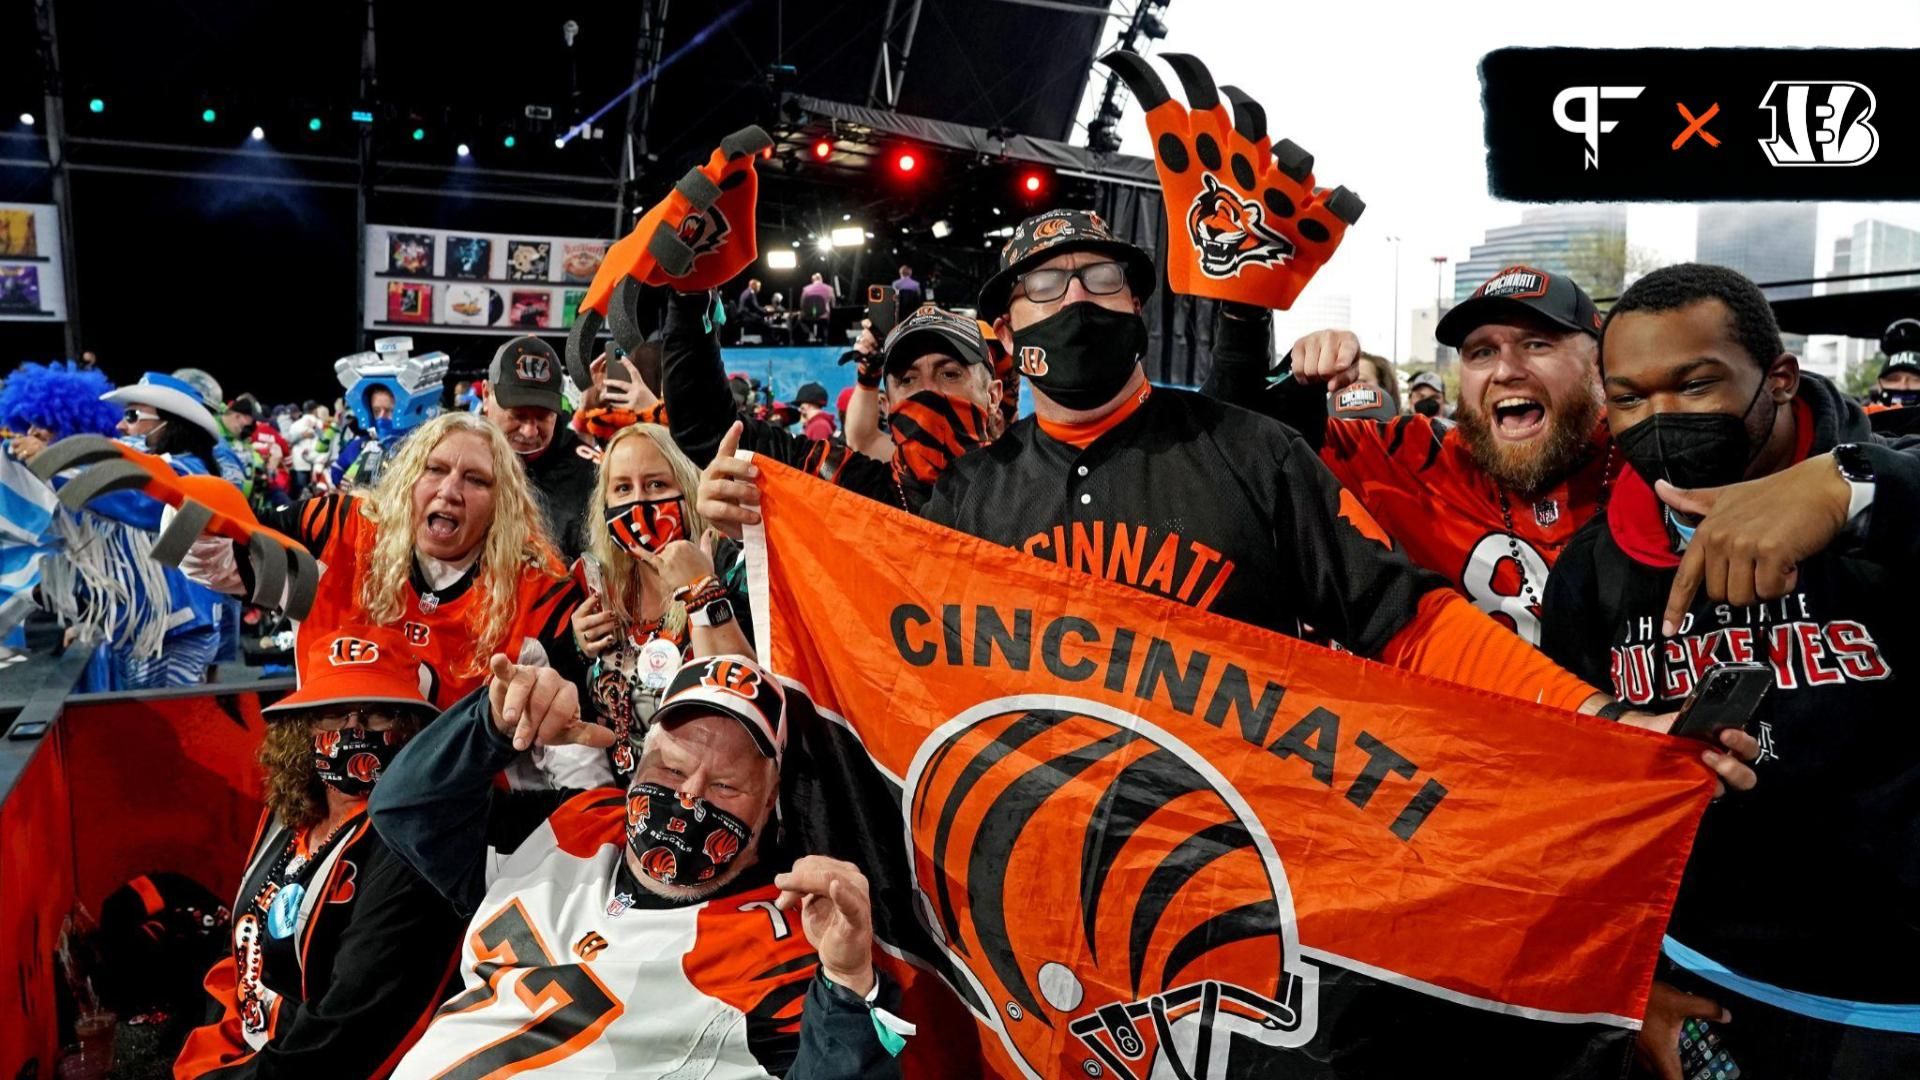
point(1613, 710)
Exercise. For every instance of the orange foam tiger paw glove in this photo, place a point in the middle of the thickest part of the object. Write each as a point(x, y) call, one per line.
point(1244, 219)
point(283, 570)
point(699, 237)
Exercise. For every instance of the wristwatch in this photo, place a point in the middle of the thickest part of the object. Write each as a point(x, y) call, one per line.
point(1856, 468)
point(716, 613)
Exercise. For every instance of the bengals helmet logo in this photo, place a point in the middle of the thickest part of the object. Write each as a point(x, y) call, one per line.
point(1033, 361)
point(639, 807)
point(705, 232)
point(532, 367)
point(1050, 227)
point(1170, 948)
point(364, 767)
point(660, 864)
point(733, 677)
point(326, 743)
point(351, 650)
point(1229, 232)
point(721, 847)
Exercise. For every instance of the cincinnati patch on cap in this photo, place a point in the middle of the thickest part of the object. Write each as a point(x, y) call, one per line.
point(1516, 293)
point(933, 329)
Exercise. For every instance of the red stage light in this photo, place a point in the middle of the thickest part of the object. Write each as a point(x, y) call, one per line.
point(1031, 183)
point(905, 162)
point(823, 149)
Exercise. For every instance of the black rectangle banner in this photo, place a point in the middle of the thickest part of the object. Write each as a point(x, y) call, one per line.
point(1602, 125)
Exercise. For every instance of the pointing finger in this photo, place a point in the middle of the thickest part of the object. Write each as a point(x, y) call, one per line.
point(1686, 583)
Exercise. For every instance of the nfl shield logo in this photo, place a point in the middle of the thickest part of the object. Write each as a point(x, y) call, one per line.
point(1546, 512)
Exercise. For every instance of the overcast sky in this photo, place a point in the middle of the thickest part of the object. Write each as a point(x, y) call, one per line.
point(1386, 96)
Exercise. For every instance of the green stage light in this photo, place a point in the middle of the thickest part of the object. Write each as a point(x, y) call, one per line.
point(419, 134)
point(209, 115)
point(96, 105)
point(313, 124)
point(507, 142)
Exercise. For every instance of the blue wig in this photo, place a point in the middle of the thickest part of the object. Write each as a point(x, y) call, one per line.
point(60, 397)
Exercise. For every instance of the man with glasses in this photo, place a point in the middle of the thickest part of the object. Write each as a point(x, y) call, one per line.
point(1191, 499)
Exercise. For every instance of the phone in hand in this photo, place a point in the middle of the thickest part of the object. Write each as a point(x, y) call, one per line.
point(883, 310)
point(596, 584)
point(1702, 1057)
point(1726, 697)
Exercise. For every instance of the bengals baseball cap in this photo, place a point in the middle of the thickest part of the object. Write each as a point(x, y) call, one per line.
point(933, 330)
point(731, 686)
point(811, 394)
point(1057, 232)
point(1360, 401)
point(1523, 291)
point(526, 371)
point(1429, 380)
point(357, 665)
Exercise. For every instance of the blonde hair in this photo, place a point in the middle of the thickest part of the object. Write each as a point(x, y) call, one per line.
point(621, 571)
point(516, 538)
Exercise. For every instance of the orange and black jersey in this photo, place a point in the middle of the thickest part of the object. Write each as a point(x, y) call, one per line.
point(347, 988)
point(701, 409)
point(441, 632)
point(1414, 474)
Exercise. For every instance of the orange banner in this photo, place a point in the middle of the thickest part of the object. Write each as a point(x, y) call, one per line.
point(1128, 834)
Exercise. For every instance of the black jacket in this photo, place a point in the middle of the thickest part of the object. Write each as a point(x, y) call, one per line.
point(1197, 501)
point(1812, 880)
point(700, 409)
point(563, 477)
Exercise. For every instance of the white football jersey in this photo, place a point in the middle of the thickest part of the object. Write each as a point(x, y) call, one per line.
point(564, 977)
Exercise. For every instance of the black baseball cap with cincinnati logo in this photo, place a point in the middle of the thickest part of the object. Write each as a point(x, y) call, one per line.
point(525, 371)
point(1521, 291)
point(1057, 232)
point(933, 329)
point(731, 686)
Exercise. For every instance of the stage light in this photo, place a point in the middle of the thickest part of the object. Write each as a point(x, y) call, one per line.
point(363, 116)
point(463, 150)
point(779, 259)
point(257, 134)
point(26, 118)
point(96, 106)
point(823, 245)
point(906, 162)
point(313, 124)
point(1031, 183)
point(560, 144)
point(823, 149)
point(208, 116)
point(846, 217)
point(507, 142)
point(419, 134)
point(942, 229)
point(848, 236)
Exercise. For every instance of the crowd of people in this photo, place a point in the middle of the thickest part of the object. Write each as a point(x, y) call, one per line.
point(528, 706)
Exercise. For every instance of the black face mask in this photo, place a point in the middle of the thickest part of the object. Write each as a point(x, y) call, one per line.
point(1691, 449)
point(1428, 406)
point(351, 759)
point(1083, 355)
point(1899, 399)
point(681, 841)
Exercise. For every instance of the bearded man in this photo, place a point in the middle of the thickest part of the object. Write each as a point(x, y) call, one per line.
point(1491, 498)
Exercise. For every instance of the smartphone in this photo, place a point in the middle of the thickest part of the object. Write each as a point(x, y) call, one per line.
point(1726, 697)
point(596, 584)
point(1702, 1057)
point(883, 310)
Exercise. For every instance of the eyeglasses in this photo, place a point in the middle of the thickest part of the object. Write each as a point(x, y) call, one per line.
point(135, 416)
point(1046, 286)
